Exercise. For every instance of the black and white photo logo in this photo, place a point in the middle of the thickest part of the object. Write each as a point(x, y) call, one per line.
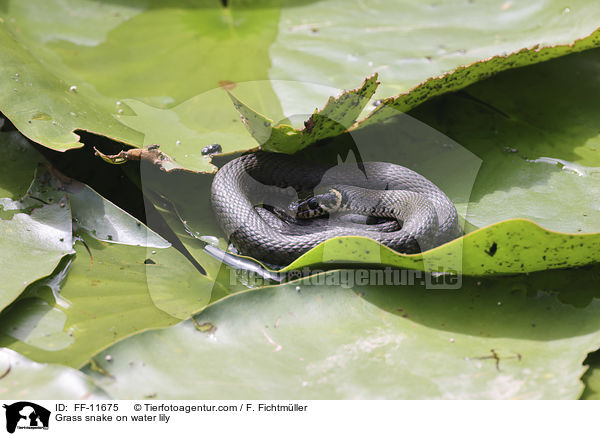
point(26, 415)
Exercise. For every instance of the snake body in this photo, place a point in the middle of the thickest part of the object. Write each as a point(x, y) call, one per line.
point(249, 194)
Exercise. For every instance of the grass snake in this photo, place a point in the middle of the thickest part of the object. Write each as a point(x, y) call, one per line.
point(275, 207)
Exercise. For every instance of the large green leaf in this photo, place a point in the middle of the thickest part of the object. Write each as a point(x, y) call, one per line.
point(104, 67)
point(337, 43)
point(124, 277)
point(536, 130)
point(99, 300)
point(22, 379)
point(33, 236)
point(498, 338)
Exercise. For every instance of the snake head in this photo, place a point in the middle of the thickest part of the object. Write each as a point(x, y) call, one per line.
point(317, 205)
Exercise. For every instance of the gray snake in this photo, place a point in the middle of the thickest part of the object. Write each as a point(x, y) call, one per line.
point(255, 198)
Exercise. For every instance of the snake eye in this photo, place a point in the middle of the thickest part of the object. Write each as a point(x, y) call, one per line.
point(313, 204)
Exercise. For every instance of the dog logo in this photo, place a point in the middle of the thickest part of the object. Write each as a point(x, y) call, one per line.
point(26, 415)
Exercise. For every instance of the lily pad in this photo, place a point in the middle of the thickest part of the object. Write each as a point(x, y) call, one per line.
point(103, 67)
point(509, 247)
point(420, 49)
point(536, 131)
point(34, 235)
point(123, 278)
point(20, 378)
point(492, 339)
point(591, 379)
point(107, 294)
point(183, 201)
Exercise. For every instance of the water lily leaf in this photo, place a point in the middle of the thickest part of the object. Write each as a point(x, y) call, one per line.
point(123, 278)
point(332, 120)
point(508, 247)
point(419, 49)
point(34, 235)
point(102, 67)
point(37, 229)
point(592, 385)
point(108, 293)
point(312, 340)
point(591, 378)
point(36, 323)
point(466, 75)
point(22, 379)
point(536, 131)
point(57, 319)
point(31, 247)
point(183, 201)
point(107, 222)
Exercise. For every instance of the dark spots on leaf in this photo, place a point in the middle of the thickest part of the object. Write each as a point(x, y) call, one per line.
point(149, 262)
point(309, 124)
point(492, 250)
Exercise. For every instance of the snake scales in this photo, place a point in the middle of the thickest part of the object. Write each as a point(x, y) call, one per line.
point(255, 199)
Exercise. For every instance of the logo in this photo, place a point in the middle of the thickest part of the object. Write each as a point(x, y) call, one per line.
point(26, 415)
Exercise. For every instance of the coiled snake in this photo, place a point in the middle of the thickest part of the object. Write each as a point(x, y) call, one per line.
point(256, 201)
